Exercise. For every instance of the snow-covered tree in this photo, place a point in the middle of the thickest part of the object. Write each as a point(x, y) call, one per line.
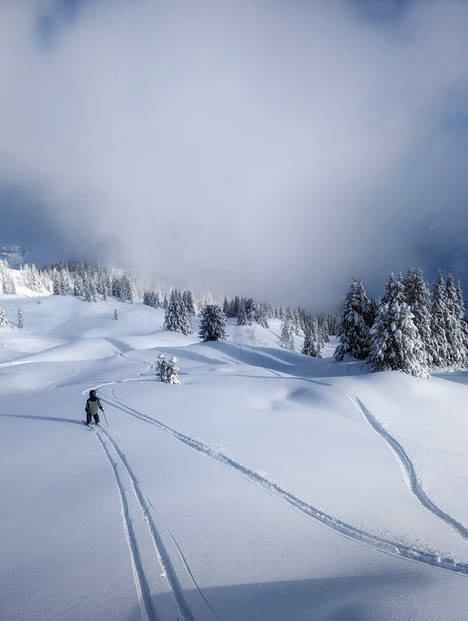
point(151, 298)
point(454, 327)
point(311, 345)
point(438, 323)
point(395, 340)
point(116, 315)
point(355, 323)
point(89, 288)
point(20, 323)
point(176, 318)
point(246, 312)
point(78, 288)
point(9, 285)
point(418, 298)
point(161, 366)
point(32, 278)
point(260, 315)
point(189, 304)
point(3, 318)
point(122, 288)
point(61, 281)
point(213, 324)
point(172, 371)
point(287, 336)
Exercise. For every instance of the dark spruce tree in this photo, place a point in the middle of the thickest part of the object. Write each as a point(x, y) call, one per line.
point(213, 323)
point(176, 318)
point(355, 324)
point(311, 345)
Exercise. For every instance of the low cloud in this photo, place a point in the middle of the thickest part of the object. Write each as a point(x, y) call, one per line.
point(261, 148)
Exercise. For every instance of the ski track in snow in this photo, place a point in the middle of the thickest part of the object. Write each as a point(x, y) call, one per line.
point(161, 550)
point(408, 469)
point(141, 583)
point(388, 546)
point(164, 558)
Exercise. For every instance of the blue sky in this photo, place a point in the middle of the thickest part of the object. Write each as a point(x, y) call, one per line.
point(266, 148)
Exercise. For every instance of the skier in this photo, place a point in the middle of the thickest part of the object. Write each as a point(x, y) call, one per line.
point(93, 405)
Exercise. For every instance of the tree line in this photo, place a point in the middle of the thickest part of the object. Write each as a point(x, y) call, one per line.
point(410, 329)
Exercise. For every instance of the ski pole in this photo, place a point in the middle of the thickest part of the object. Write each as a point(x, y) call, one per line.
point(105, 418)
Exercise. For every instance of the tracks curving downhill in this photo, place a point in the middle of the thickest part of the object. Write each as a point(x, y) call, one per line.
point(386, 545)
point(409, 470)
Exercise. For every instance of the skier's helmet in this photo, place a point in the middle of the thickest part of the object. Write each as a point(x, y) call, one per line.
point(92, 393)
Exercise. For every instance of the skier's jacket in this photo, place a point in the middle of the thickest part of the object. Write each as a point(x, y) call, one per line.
point(92, 406)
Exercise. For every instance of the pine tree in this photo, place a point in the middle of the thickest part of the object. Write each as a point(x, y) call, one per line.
point(355, 323)
point(126, 289)
point(176, 318)
point(116, 316)
point(311, 346)
point(287, 336)
point(417, 296)
point(78, 288)
point(89, 288)
point(3, 318)
point(440, 345)
point(246, 312)
point(32, 278)
point(172, 371)
point(260, 316)
point(151, 298)
point(9, 285)
point(453, 326)
point(187, 299)
point(20, 323)
point(161, 366)
point(395, 341)
point(213, 324)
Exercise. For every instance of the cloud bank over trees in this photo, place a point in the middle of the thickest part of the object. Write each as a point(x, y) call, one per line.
point(270, 148)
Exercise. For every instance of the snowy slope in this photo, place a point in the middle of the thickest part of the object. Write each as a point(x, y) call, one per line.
point(267, 485)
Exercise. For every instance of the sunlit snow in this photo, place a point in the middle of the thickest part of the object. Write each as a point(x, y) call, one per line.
point(266, 486)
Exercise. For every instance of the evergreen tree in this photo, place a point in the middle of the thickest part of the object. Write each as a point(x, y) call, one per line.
point(33, 278)
point(394, 290)
point(151, 298)
point(126, 289)
point(78, 288)
point(9, 285)
point(61, 281)
point(417, 296)
point(246, 312)
point(311, 345)
point(395, 341)
point(176, 318)
point(454, 328)
point(161, 366)
point(287, 336)
point(260, 316)
point(20, 323)
point(187, 299)
point(355, 323)
point(89, 288)
point(172, 371)
point(116, 316)
point(213, 324)
point(440, 345)
point(3, 318)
